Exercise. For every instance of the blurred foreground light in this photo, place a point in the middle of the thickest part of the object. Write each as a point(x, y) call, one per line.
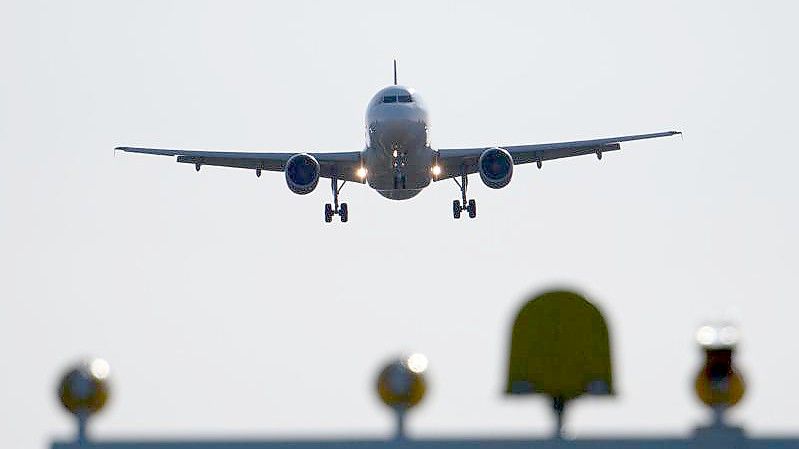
point(719, 384)
point(401, 384)
point(84, 388)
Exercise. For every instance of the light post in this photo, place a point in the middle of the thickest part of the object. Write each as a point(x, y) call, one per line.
point(83, 391)
point(560, 348)
point(719, 384)
point(401, 385)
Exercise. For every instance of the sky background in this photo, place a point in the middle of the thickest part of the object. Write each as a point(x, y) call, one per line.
point(226, 306)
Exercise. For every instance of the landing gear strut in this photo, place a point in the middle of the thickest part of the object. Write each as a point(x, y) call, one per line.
point(457, 206)
point(335, 208)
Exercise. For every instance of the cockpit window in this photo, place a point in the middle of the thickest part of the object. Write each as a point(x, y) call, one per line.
point(390, 99)
point(404, 98)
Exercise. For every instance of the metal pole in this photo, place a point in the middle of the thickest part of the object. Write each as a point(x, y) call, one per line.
point(399, 414)
point(558, 405)
point(718, 415)
point(83, 418)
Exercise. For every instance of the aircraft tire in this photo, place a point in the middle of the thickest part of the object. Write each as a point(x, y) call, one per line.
point(456, 209)
point(472, 208)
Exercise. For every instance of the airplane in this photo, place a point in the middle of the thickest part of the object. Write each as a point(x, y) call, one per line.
point(398, 160)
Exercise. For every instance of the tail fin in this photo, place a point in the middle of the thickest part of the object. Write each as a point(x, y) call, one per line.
point(395, 72)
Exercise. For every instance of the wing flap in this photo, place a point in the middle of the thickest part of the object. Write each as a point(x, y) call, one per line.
point(525, 156)
point(250, 163)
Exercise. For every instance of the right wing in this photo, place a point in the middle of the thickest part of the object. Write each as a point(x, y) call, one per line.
point(456, 162)
point(343, 165)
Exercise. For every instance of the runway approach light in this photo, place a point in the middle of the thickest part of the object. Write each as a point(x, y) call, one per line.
point(560, 348)
point(401, 385)
point(718, 384)
point(83, 391)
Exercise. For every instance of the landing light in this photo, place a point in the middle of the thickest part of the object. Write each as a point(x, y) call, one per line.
point(361, 172)
point(436, 170)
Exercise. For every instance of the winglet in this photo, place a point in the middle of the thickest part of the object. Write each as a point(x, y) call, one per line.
point(675, 133)
point(395, 72)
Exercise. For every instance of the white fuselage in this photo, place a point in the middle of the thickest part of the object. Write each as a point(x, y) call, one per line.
point(398, 157)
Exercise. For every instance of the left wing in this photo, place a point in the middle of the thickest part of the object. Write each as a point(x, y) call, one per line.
point(463, 161)
point(343, 166)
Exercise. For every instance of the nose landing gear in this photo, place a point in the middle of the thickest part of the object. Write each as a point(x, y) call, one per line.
point(399, 180)
point(335, 209)
point(399, 161)
point(457, 206)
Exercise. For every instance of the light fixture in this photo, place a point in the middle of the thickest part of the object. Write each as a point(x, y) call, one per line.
point(361, 172)
point(436, 170)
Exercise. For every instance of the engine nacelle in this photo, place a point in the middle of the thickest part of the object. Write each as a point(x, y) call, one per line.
point(496, 167)
point(302, 173)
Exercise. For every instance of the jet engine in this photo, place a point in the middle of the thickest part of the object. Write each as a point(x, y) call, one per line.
point(496, 167)
point(302, 173)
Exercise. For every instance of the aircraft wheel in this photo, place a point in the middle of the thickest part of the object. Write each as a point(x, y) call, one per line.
point(343, 212)
point(456, 209)
point(328, 213)
point(472, 208)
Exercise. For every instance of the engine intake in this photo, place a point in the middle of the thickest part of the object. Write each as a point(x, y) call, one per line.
point(302, 173)
point(496, 167)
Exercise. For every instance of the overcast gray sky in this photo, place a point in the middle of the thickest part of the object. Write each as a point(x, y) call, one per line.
point(227, 307)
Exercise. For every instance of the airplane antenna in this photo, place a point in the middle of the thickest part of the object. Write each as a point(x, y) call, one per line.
point(395, 72)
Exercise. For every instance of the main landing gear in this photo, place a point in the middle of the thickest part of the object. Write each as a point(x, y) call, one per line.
point(335, 208)
point(457, 206)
